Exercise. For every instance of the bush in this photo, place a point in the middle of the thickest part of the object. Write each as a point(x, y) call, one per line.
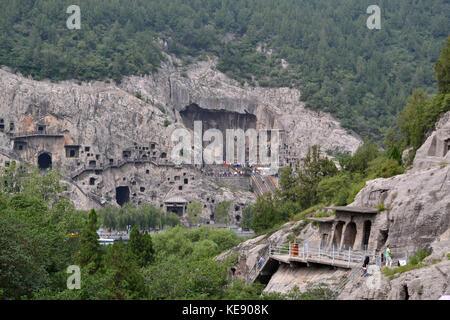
point(221, 214)
point(194, 211)
point(167, 123)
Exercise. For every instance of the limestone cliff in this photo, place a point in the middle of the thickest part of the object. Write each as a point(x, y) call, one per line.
point(416, 215)
point(104, 136)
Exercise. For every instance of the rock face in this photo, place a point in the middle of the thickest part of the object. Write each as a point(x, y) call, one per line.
point(416, 215)
point(287, 277)
point(113, 142)
point(249, 251)
point(417, 203)
point(427, 283)
point(205, 87)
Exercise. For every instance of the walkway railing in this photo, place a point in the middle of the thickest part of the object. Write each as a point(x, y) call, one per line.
point(308, 251)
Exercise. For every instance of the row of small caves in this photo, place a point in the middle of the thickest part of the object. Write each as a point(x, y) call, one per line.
point(84, 154)
point(123, 193)
point(210, 119)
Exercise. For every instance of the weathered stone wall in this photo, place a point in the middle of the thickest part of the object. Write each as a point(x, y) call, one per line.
point(112, 126)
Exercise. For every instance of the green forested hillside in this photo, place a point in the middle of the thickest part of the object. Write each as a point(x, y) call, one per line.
point(362, 76)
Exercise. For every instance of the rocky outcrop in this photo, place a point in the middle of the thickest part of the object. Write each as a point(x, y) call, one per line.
point(104, 136)
point(248, 252)
point(417, 203)
point(415, 213)
point(117, 140)
point(427, 283)
point(201, 84)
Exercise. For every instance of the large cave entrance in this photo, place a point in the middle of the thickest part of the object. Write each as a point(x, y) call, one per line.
point(122, 195)
point(178, 210)
point(218, 119)
point(44, 161)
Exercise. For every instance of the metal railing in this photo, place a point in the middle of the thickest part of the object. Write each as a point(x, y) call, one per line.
point(308, 251)
point(330, 255)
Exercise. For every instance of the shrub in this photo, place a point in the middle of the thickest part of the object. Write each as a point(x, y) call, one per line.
point(167, 123)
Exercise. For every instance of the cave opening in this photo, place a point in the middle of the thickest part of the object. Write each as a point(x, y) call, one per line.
point(44, 161)
point(176, 209)
point(217, 119)
point(122, 195)
point(405, 293)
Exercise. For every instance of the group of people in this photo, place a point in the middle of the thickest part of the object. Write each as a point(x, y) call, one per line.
point(386, 257)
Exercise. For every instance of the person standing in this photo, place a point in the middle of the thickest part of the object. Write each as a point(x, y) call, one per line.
point(260, 262)
point(365, 267)
point(388, 256)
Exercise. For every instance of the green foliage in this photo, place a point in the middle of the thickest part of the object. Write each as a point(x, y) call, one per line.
point(413, 119)
point(89, 247)
point(313, 292)
point(144, 216)
point(360, 76)
point(240, 290)
point(35, 223)
point(442, 69)
point(167, 123)
point(179, 278)
point(395, 154)
point(339, 188)
point(420, 114)
point(122, 277)
point(184, 267)
point(415, 262)
point(221, 214)
point(194, 211)
point(247, 216)
point(384, 168)
point(141, 247)
point(318, 183)
point(360, 160)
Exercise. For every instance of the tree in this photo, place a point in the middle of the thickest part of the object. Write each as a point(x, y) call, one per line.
point(247, 217)
point(194, 211)
point(412, 121)
point(141, 247)
point(221, 214)
point(442, 68)
point(122, 277)
point(89, 254)
point(360, 161)
point(313, 170)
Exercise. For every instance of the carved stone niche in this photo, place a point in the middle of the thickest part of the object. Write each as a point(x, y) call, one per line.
point(378, 195)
